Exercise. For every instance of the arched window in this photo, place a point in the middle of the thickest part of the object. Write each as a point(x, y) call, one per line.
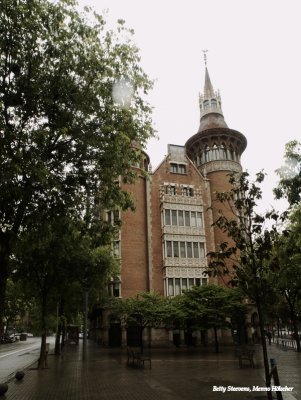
point(223, 152)
point(207, 154)
point(213, 103)
point(231, 153)
point(215, 152)
point(206, 104)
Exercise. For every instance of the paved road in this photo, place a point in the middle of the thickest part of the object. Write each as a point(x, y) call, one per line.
point(18, 355)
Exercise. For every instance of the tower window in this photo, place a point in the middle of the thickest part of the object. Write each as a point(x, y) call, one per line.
point(207, 154)
point(213, 103)
point(223, 152)
point(215, 152)
point(206, 104)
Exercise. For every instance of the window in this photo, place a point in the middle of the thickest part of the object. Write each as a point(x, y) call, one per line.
point(182, 250)
point(215, 152)
point(176, 249)
point(223, 152)
point(181, 218)
point(199, 219)
point(189, 250)
point(181, 169)
point(177, 168)
point(196, 253)
point(193, 218)
point(202, 250)
point(167, 217)
point(177, 286)
point(187, 191)
point(173, 168)
point(170, 287)
point(116, 248)
point(168, 249)
point(206, 104)
point(115, 287)
point(170, 190)
point(213, 103)
point(174, 217)
point(187, 218)
point(113, 217)
point(185, 249)
point(207, 154)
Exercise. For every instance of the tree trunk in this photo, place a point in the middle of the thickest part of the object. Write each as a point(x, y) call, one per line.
point(216, 340)
point(43, 354)
point(4, 273)
point(294, 319)
point(264, 350)
point(59, 331)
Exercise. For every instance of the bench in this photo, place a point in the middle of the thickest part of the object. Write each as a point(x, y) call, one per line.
point(136, 358)
point(245, 354)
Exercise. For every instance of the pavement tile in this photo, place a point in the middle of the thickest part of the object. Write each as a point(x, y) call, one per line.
point(175, 374)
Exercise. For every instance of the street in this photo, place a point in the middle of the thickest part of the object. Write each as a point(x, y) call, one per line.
point(19, 355)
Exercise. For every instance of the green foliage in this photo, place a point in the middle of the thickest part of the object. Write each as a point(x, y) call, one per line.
point(146, 309)
point(250, 259)
point(212, 306)
point(289, 185)
point(64, 139)
point(56, 261)
point(16, 303)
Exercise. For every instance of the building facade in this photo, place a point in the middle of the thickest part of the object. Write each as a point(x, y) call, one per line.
point(162, 246)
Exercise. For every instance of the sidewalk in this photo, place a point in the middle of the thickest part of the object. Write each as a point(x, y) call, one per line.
point(175, 374)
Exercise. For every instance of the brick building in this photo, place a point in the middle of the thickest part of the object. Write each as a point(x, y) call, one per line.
point(162, 246)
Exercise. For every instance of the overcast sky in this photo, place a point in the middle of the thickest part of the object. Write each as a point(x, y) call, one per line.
point(254, 59)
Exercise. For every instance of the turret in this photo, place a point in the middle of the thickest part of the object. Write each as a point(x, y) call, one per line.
point(215, 147)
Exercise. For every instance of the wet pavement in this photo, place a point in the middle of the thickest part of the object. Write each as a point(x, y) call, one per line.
point(185, 373)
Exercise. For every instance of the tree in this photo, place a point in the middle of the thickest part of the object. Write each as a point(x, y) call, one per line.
point(289, 186)
point(251, 256)
point(51, 257)
point(145, 310)
point(212, 307)
point(288, 276)
point(64, 138)
point(16, 305)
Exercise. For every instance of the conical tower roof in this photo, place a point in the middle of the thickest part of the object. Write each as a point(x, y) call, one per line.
point(210, 107)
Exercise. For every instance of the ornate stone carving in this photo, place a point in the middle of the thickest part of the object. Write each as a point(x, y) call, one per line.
point(171, 272)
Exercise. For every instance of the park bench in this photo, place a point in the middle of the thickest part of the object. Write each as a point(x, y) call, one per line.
point(245, 354)
point(136, 358)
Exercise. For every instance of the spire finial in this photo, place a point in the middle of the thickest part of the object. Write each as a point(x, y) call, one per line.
point(205, 56)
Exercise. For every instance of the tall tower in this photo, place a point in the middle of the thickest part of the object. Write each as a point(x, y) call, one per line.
point(215, 149)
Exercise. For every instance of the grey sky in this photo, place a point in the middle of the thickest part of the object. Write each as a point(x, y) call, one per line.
point(254, 59)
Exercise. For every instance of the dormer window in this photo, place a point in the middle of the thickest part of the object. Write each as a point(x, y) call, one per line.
point(177, 168)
